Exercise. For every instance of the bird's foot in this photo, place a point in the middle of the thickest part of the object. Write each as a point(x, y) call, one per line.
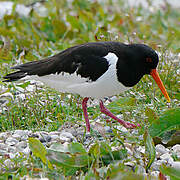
point(123, 123)
point(130, 125)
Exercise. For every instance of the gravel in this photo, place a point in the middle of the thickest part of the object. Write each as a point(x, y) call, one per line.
point(13, 143)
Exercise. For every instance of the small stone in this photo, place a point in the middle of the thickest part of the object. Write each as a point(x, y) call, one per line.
point(54, 137)
point(24, 137)
point(16, 136)
point(54, 133)
point(12, 149)
point(21, 145)
point(2, 152)
point(141, 149)
point(155, 165)
point(167, 157)
point(161, 149)
point(3, 146)
point(11, 141)
point(155, 174)
point(66, 137)
point(20, 132)
point(176, 164)
point(44, 138)
point(4, 135)
point(26, 151)
point(176, 150)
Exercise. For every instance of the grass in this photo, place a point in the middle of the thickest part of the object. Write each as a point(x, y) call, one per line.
point(66, 24)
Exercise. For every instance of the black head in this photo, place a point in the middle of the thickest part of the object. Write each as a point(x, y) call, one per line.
point(145, 58)
point(137, 60)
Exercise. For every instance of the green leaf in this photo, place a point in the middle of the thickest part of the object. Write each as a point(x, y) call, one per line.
point(61, 159)
point(114, 156)
point(150, 114)
point(59, 147)
point(122, 172)
point(167, 121)
point(122, 104)
point(170, 171)
point(73, 155)
point(150, 149)
point(95, 150)
point(125, 101)
point(39, 150)
point(72, 148)
point(76, 148)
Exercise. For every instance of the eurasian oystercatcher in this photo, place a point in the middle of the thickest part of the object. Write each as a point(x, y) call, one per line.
point(96, 70)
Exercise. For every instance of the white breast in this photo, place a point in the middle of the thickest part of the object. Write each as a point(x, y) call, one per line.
point(106, 85)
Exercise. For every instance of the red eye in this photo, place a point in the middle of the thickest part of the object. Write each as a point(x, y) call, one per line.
point(149, 60)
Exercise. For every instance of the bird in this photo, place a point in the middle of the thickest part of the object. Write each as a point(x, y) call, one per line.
point(94, 70)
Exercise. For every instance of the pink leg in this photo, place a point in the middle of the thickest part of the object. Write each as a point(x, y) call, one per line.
point(108, 113)
point(84, 106)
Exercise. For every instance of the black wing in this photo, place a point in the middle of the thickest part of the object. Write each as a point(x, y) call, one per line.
point(86, 59)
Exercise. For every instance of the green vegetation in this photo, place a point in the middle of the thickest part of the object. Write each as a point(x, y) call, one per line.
point(67, 23)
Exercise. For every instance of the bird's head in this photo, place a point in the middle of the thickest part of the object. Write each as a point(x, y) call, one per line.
point(149, 61)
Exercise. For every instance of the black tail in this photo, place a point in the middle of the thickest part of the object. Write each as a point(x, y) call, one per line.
point(40, 68)
point(14, 76)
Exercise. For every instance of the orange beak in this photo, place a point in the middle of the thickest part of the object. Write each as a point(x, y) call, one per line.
point(156, 77)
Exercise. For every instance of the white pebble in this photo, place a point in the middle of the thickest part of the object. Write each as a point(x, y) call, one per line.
point(176, 149)
point(11, 141)
point(21, 145)
point(54, 137)
point(3, 146)
point(12, 149)
point(54, 133)
point(66, 136)
point(26, 151)
point(16, 136)
point(165, 156)
point(19, 132)
point(4, 135)
point(156, 164)
point(24, 137)
point(161, 149)
point(141, 149)
point(155, 174)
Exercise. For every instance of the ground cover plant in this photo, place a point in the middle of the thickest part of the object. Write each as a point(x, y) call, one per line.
point(56, 25)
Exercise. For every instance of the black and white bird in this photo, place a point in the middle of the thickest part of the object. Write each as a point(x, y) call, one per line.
point(94, 70)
